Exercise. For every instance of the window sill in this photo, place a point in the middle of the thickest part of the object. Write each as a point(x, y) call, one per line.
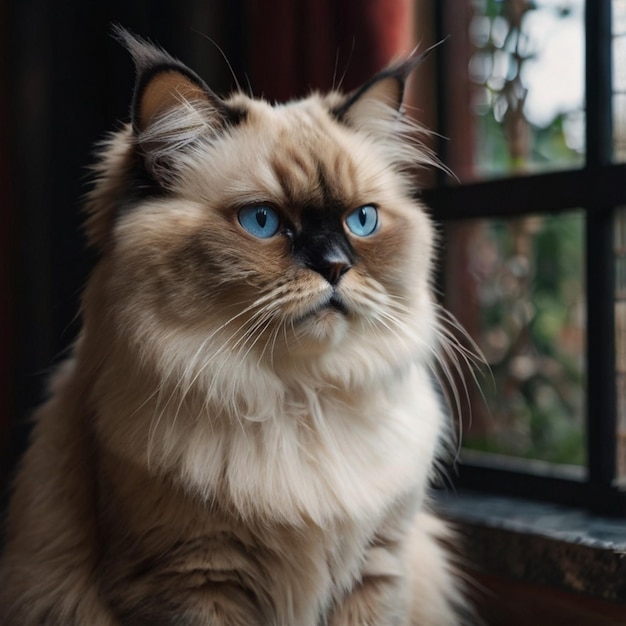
point(538, 543)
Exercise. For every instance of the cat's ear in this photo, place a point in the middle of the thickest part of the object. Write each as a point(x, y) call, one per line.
point(382, 95)
point(172, 106)
point(385, 90)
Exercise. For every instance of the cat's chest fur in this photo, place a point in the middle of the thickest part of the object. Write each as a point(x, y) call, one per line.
point(321, 454)
point(283, 511)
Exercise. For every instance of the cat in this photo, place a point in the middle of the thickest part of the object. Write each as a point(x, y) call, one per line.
point(247, 428)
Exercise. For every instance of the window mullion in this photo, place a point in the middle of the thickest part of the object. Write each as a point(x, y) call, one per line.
point(601, 398)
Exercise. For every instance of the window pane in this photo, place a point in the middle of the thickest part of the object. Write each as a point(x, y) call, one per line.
point(516, 286)
point(619, 79)
point(527, 70)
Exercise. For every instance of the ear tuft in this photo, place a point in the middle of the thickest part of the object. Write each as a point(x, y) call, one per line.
point(172, 108)
point(162, 83)
point(383, 93)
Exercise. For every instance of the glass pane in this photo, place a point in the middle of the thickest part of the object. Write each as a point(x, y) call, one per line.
point(619, 79)
point(619, 126)
point(517, 288)
point(527, 72)
point(620, 338)
point(619, 17)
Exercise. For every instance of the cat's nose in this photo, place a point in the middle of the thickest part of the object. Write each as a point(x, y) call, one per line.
point(324, 251)
point(334, 271)
point(332, 266)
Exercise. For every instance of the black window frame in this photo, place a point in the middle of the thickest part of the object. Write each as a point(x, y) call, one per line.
point(598, 189)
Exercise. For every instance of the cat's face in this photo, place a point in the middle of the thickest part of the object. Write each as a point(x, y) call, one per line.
point(263, 232)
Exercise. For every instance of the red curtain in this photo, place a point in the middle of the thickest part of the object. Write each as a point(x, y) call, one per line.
point(296, 46)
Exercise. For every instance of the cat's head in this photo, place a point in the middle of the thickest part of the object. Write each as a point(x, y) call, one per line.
point(238, 233)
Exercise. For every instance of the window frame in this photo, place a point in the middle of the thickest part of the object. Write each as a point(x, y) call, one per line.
point(598, 189)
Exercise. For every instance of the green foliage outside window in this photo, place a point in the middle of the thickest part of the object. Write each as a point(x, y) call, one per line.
point(528, 271)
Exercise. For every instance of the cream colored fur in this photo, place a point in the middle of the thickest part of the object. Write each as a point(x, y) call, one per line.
point(223, 449)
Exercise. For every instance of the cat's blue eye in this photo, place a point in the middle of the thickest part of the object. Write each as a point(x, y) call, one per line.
point(363, 221)
point(259, 220)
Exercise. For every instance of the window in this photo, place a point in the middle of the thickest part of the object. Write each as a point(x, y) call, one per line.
point(536, 224)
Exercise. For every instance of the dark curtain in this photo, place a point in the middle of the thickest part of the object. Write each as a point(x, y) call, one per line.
point(317, 44)
point(65, 82)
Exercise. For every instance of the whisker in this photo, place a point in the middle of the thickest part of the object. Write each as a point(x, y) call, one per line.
point(223, 55)
point(453, 354)
point(185, 382)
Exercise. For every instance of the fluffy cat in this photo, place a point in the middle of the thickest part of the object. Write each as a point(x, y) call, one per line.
point(247, 428)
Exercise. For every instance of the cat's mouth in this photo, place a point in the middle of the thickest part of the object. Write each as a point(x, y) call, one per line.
point(334, 303)
point(338, 304)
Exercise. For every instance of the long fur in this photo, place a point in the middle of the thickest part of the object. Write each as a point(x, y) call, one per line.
point(223, 448)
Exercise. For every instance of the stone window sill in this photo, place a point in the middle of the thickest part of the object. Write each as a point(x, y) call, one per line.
point(538, 543)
